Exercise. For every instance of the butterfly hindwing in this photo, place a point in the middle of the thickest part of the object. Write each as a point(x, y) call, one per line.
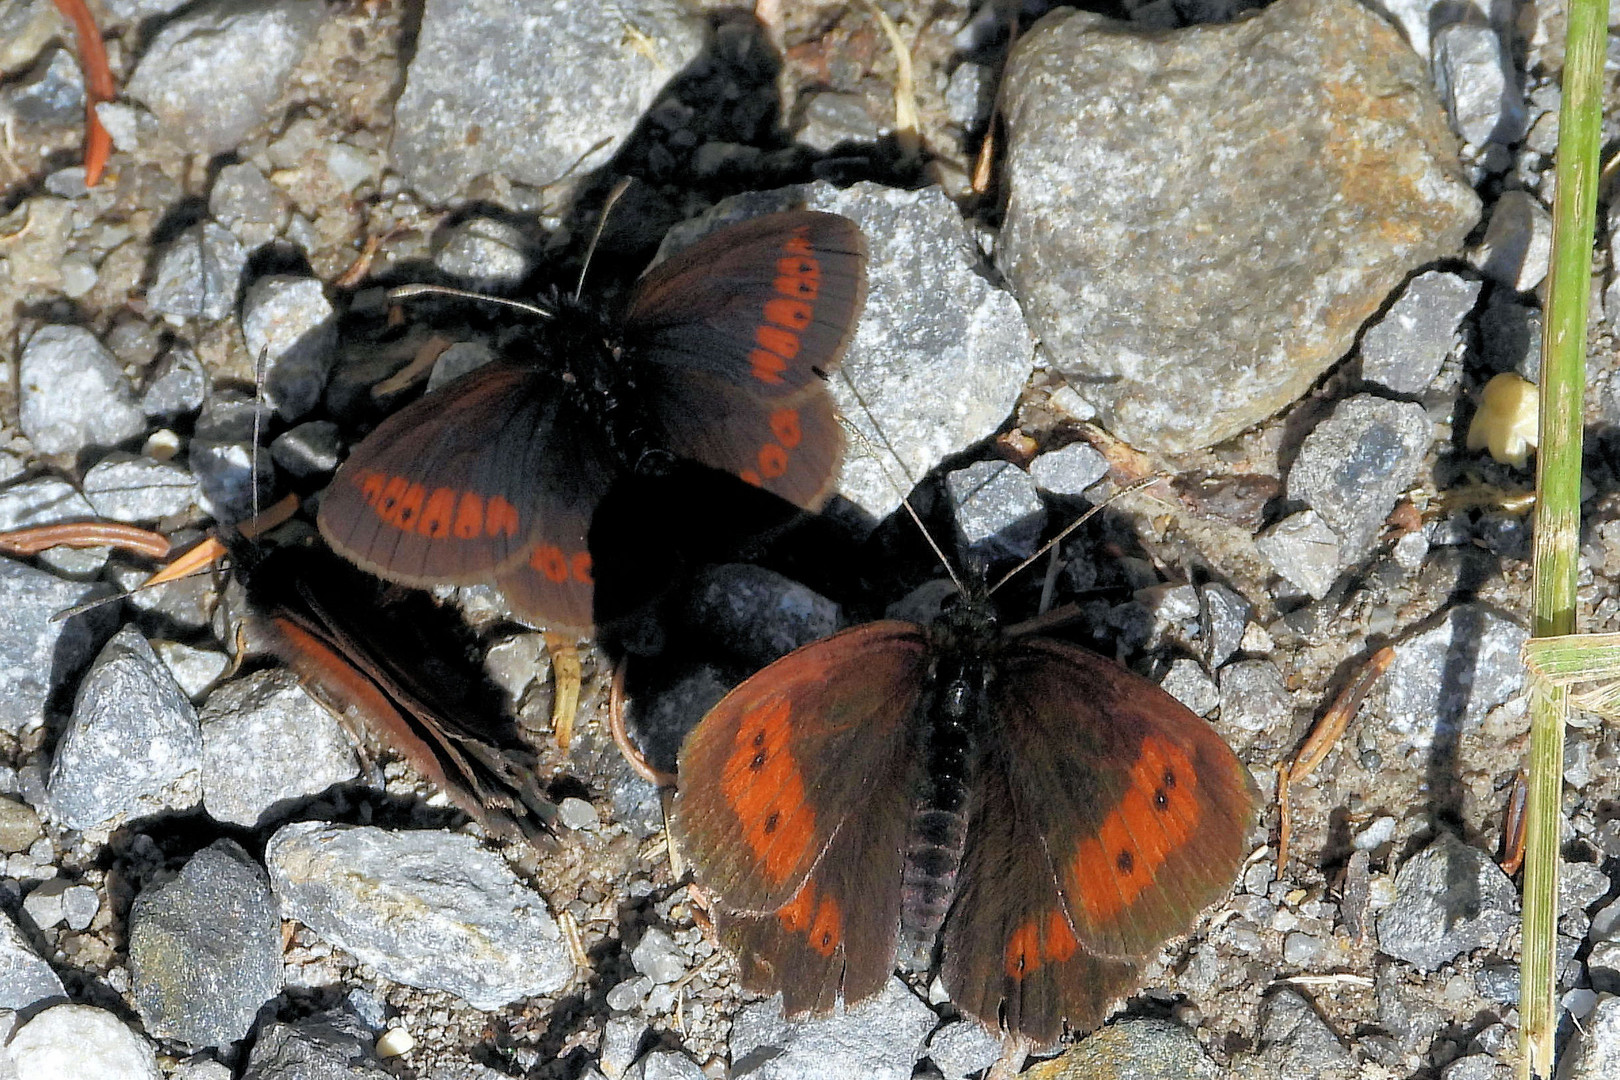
point(738, 333)
point(1010, 955)
point(1143, 807)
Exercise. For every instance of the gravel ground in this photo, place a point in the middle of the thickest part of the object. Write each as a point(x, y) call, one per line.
point(1278, 253)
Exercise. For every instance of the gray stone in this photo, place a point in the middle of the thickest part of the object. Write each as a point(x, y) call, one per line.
point(73, 393)
point(428, 909)
point(1449, 899)
point(266, 743)
point(577, 814)
point(1447, 677)
point(1296, 1041)
point(198, 274)
point(1580, 885)
point(1195, 278)
point(1070, 470)
point(553, 101)
point(757, 613)
point(214, 73)
point(1419, 19)
point(232, 416)
point(244, 201)
point(920, 381)
point(25, 979)
point(1139, 1048)
point(830, 119)
point(38, 653)
point(621, 1038)
point(234, 480)
point(1404, 349)
point(996, 510)
point(1476, 1067)
point(1517, 248)
point(205, 949)
point(484, 253)
point(1603, 967)
point(961, 1047)
point(1226, 615)
point(657, 957)
point(309, 449)
point(129, 487)
point(1354, 465)
point(43, 905)
point(177, 387)
point(196, 670)
point(1594, 1048)
point(879, 1039)
point(51, 95)
point(80, 905)
point(125, 11)
point(1474, 73)
point(81, 1041)
point(291, 328)
point(327, 1046)
point(1304, 550)
point(968, 94)
point(665, 1065)
point(1188, 683)
point(25, 30)
point(1254, 700)
point(42, 501)
point(132, 746)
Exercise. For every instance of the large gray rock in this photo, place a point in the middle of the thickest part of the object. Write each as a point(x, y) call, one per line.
point(73, 393)
point(205, 949)
point(266, 742)
point(1199, 222)
point(212, 74)
point(429, 909)
point(25, 978)
point(39, 654)
point(549, 89)
point(1447, 677)
point(879, 1039)
point(132, 747)
point(83, 1042)
point(328, 1046)
point(1450, 898)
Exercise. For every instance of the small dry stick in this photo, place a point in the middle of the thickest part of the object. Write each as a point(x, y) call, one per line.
point(565, 678)
point(1323, 737)
point(85, 534)
point(98, 87)
point(1513, 825)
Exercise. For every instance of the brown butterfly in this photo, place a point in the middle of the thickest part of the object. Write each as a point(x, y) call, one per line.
point(720, 359)
point(1040, 816)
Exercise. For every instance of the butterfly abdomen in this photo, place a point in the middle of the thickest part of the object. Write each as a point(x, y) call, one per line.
point(937, 835)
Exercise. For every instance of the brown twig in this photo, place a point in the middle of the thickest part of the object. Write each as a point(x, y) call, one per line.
point(1323, 737)
point(85, 534)
point(98, 86)
point(1513, 825)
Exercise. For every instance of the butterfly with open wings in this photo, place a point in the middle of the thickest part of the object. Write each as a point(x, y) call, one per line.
point(720, 359)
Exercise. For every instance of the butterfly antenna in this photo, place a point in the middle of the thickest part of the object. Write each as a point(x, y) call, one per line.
point(258, 425)
point(601, 221)
point(405, 292)
point(1128, 489)
point(883, 458)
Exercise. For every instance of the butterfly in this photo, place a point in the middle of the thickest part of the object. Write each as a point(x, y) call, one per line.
point(1037, 815)
point(720, 359)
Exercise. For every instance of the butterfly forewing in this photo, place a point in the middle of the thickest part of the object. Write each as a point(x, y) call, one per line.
point(739, 332)
point(1141, 805)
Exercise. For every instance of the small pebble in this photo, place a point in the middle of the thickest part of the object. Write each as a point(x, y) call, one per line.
point(395, 1042)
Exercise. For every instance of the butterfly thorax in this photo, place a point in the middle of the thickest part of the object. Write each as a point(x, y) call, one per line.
point(950, 734)
point(598, 379)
